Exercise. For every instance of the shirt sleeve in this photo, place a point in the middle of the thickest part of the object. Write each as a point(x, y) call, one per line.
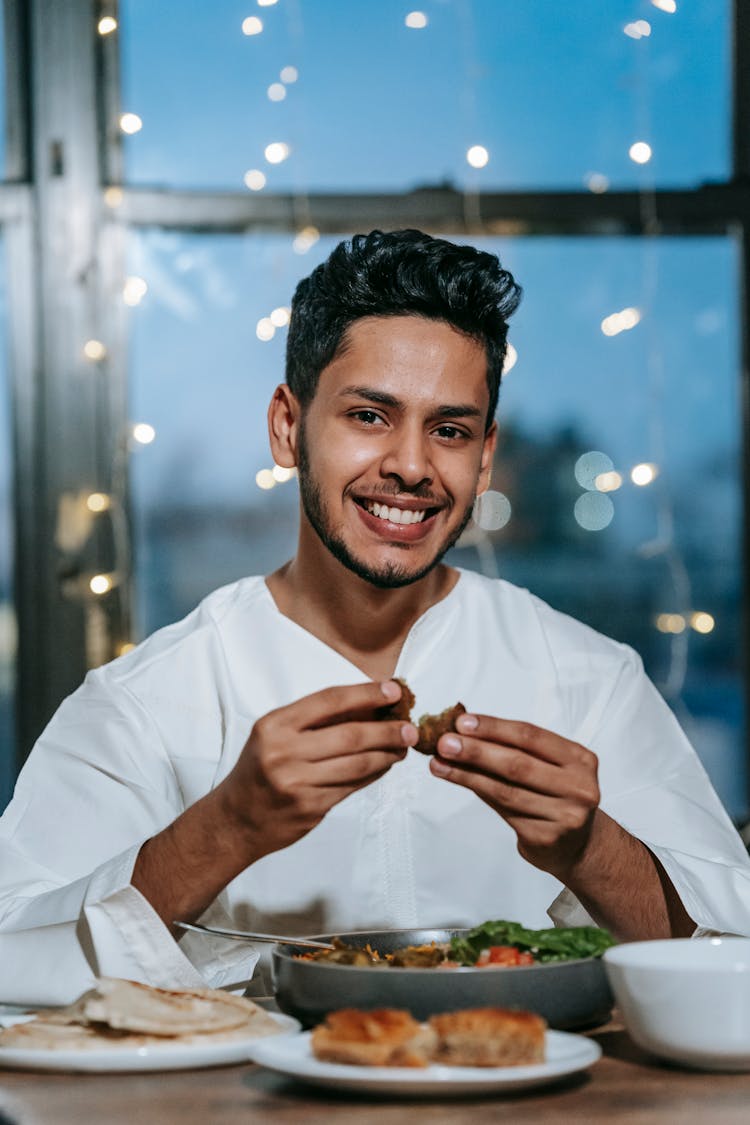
point(654, 785)
point(68, 912)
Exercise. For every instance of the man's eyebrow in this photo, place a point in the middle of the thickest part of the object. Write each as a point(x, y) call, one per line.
point(456, 410)
point(372, 395)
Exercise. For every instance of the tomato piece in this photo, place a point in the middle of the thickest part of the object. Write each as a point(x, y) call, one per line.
point(503, 955)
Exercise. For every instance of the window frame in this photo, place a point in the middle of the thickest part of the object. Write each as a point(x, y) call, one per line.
point(63, 147)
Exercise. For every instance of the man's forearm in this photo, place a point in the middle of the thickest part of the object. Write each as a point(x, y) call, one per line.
point(184, 867)
point(624, 887)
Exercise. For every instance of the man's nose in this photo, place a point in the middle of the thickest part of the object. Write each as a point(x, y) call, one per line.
point(408, 456)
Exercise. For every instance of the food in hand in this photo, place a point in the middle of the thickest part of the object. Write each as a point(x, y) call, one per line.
point(401, 709)
point(431, 727)
point(384, 1037)
point(125, 1013)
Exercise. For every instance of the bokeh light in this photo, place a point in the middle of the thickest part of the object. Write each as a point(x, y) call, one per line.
point(492, 510)
point(143, 433)
point(644, 473)
point(130, 123)
point(591, 465)
point(276, 152)
point(593, 511)
point(477, 156)
point(254, 179)
point(640, 152)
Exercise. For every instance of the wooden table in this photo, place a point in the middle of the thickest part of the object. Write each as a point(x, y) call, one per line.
point(625, 1086)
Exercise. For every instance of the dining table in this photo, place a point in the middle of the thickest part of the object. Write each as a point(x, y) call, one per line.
point(626, 1085)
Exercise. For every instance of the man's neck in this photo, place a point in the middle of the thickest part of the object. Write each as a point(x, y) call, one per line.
point(365, 623)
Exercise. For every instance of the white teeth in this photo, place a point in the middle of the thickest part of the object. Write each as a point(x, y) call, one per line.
point(395, 515)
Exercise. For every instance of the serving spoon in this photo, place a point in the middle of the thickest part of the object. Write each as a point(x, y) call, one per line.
point(247, 935)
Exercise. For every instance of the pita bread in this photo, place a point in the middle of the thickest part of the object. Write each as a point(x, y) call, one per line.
point(121, 1013)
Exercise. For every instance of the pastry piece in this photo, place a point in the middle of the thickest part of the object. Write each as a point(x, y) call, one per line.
point(432, 726)
point(384, 1037)
point(488, 1037)
point(401, 709)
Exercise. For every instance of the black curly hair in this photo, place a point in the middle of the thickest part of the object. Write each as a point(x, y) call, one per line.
point(399, 273)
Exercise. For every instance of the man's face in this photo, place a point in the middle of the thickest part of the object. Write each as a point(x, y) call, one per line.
point(392, 449)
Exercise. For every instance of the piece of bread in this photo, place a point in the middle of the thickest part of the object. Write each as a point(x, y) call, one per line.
point(432, 726)
point(384, 1037)
point(401, 709)
point(123, 1013)
point(488, 1037)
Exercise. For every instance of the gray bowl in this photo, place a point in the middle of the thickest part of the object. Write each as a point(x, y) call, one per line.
point(568, 994)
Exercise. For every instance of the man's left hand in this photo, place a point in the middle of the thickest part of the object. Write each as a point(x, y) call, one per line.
point(543, 785)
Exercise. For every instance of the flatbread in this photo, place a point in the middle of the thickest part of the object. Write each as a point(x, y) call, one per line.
point(124, 1013)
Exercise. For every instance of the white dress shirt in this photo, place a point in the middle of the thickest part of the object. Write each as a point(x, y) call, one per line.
point(149, 734)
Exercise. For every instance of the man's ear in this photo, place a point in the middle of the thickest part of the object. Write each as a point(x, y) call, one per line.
point(284, 414)
point(485, 465)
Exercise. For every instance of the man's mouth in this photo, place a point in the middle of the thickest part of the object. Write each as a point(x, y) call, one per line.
point(394, 515)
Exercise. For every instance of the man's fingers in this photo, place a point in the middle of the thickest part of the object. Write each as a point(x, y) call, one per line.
point(352, 739)
point(541, 743)
point(507, 799)
point(520, 769)
point(355, 770)
point(342, 704)
point(514, 804)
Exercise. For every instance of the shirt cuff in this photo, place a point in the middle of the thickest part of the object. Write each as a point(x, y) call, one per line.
point(130, 940)
point(566, 910)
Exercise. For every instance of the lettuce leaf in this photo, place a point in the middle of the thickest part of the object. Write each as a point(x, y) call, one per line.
point(544, 945)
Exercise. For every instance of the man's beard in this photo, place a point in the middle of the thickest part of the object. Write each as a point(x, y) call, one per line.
point(387, 577)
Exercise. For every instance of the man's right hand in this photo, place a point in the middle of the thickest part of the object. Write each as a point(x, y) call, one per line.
point(302, 759)
point(298, 762)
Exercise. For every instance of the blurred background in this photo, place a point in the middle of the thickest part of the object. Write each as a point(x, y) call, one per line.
point(172, 169)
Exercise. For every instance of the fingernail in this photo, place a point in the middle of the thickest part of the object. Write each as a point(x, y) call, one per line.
point(409, 734)
point(441, 768)
point(450, 746)
point(467, 722)
point(390, 689)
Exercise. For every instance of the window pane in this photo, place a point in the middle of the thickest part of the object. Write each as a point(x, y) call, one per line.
point(555, 93)
point(7, 613)
point(662, 392)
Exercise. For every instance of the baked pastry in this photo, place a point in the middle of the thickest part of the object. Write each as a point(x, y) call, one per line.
point(432, 726)
point(488, 1037)
point(384, 1037)
point(401, 709)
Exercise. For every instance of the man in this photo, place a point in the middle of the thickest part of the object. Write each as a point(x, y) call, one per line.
point(241, 766)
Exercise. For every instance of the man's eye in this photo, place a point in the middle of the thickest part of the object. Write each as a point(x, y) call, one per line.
point(451, 432)
point(369, 417)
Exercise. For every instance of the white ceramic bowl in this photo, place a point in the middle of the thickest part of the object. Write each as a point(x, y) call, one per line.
point(686, 1000)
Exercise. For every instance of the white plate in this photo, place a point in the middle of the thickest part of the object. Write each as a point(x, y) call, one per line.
point(293, 1057)
point(159, 1056)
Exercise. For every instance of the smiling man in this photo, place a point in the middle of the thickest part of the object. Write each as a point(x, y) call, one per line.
point(245, 766)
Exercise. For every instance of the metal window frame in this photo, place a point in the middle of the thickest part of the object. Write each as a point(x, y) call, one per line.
point(64, 152)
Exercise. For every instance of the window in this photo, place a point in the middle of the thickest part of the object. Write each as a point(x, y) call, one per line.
point(485, 120)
